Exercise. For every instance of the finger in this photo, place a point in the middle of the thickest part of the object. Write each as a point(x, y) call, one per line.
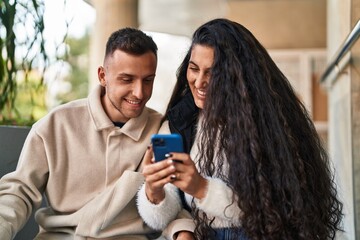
point(160, 183)
point(170, 156)
point(176, 176)
point(182, 182)
point(148, 156)
point(181, 158)
point(157, 166)
point(159, 179)
point(159, 170)
point(184, 163)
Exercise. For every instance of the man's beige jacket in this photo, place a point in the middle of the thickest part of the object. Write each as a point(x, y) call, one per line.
point(88, 170)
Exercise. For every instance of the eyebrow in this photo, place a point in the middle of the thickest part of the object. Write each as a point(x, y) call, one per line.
point(131, 76)
point(191, 62)
point(124, 76)
point(207, 69)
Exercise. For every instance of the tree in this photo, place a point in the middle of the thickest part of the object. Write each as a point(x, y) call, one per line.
point(78, 60)
point(23, 58)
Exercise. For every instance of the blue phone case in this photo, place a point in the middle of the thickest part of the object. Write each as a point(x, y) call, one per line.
point(166, 143)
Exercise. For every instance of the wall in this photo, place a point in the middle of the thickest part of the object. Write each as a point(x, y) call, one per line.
point(340, 118)
point(355, 126)
point(283, 24)
point(110, 16)
point(178, 17)
point(355, 116)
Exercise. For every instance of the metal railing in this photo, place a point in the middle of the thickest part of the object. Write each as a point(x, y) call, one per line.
point(335, 66)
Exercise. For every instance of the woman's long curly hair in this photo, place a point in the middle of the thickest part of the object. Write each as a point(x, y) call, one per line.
point(279, 170)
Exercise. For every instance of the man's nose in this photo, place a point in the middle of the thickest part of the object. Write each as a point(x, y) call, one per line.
point(138, 89)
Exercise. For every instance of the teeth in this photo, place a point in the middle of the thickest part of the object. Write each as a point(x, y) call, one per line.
point(133, 102)
point(200, 92)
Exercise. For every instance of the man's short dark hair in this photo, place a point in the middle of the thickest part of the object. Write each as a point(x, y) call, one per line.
point(130, 40)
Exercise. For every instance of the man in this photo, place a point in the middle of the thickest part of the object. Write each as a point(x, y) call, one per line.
point(85, 155)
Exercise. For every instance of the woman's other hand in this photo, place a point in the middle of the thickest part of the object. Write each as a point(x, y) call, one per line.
point(185, 235)
point(186, 177)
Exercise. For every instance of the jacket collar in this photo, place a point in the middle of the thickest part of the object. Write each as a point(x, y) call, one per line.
point(135, 126)
point(132, 128)
point(184, 113)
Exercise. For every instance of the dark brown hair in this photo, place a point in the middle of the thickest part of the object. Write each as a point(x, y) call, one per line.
point(279, 169)
point(130, 40)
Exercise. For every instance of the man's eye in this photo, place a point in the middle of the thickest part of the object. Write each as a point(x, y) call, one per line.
point(149, 80)
point(126, 79)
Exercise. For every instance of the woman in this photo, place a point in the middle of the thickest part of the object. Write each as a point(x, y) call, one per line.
point(257, 168)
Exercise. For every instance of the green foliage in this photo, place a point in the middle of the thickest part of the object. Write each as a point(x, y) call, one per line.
point(23, 60)
point(77, 58)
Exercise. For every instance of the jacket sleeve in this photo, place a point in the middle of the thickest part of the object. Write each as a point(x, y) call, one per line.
point(219, 202)
point(110, 207)
point(20, 191)
point(183, 222)
point(158, 216)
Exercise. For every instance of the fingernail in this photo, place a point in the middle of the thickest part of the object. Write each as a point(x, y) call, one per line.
point(173, 177)
point(177, 161)
point(148, 147)
point(167, 155)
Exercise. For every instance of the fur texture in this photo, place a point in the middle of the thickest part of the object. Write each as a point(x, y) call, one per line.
point(157, 216)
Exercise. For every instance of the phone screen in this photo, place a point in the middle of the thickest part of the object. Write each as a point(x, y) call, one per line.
point(166, 143)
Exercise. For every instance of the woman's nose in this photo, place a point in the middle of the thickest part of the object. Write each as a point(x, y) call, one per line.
point(201, 80)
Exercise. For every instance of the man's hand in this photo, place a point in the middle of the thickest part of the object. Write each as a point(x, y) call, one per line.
point(185, 235)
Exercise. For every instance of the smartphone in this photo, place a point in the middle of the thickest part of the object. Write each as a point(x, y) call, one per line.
point(166, 143)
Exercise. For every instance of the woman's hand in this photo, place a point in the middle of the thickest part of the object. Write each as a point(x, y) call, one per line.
point(186, 177)
point(156, 174)
point(185, 235)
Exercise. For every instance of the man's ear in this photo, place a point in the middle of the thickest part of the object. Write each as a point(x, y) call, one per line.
point(101, 76)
